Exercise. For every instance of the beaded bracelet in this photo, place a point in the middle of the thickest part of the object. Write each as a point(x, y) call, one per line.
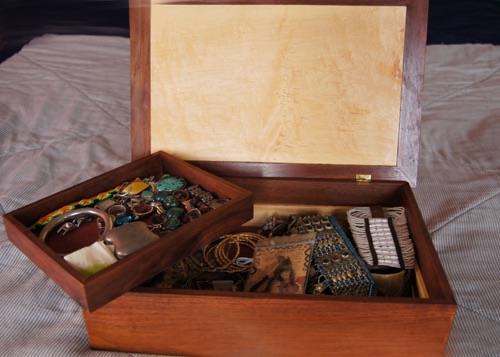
point(85, 202)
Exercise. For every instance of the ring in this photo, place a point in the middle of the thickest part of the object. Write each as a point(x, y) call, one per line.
point(180, 195)
point(116, 210)
point(141, 211)
point(108, 220)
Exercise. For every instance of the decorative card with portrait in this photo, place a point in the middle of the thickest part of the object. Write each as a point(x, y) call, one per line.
point(281, 264)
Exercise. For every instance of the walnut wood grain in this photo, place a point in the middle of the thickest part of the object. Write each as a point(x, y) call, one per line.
point(205, 323)
point(140, 78)
point(256, 324)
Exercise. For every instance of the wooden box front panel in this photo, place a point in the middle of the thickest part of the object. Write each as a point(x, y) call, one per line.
point(220, 325)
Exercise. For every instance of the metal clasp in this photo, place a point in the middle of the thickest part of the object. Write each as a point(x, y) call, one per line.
point(363, 178)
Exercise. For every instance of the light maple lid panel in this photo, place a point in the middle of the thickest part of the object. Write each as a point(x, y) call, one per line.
point(277, 84)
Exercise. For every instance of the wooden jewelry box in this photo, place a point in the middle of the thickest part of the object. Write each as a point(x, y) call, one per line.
point(289, 107)
point(314, 107)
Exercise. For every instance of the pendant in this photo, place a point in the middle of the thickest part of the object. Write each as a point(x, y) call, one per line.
point(170, 183)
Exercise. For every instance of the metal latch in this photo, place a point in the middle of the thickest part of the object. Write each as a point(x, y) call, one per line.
point(363, 179)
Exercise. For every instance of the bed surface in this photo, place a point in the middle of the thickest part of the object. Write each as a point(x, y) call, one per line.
point(67, 120)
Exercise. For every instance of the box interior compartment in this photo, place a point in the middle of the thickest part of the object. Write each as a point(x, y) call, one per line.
point(283, 197)
point(292, 100)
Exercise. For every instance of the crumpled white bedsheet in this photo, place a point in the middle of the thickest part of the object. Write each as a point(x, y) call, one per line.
point(65, 117)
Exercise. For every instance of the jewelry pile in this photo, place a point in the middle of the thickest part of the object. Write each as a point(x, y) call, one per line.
point(298, 254)
point(129, 217)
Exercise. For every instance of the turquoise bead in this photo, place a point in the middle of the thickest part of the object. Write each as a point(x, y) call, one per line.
point(166, 199)
point(173, 224)
point(176, 212)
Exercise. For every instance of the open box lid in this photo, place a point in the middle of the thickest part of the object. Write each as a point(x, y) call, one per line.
point(319, 89)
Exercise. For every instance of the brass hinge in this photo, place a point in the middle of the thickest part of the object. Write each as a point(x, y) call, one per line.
point(363, 179)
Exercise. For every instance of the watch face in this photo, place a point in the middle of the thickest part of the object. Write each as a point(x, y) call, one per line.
point(170, 183)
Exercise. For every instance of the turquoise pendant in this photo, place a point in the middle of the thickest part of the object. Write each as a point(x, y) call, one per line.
point(170, 183)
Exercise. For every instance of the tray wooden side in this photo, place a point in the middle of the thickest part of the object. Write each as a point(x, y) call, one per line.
point(97, 290)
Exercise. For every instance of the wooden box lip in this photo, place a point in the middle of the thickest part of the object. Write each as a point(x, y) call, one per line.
point(412, 83)
point(97, 290)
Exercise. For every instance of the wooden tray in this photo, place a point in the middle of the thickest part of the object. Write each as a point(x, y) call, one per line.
point(99, 289)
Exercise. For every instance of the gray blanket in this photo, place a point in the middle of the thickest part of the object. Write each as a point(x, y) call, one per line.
point(65, 117)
